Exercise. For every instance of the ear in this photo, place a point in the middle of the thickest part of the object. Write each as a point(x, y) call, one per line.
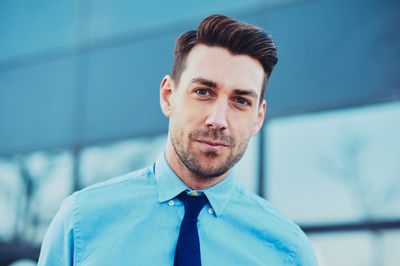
point(260, 118)
point(166, 90)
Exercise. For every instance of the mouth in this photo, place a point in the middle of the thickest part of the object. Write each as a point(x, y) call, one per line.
point(212, 144)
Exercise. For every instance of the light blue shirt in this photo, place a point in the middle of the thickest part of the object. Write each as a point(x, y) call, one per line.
point(135, 220)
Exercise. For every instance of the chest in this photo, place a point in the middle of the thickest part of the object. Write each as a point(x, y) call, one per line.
point(150, 237)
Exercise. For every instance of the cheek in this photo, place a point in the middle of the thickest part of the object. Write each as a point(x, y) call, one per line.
point(240, 135)
point(192, 115)
point(242, 126)
point(181, 122)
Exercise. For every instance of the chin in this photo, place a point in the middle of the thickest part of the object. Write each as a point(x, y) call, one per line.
point(210, 170)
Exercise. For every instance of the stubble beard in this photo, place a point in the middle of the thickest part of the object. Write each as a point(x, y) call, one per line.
point(200, 167)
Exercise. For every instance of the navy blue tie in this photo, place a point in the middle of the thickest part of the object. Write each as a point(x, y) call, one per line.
point(188, 248)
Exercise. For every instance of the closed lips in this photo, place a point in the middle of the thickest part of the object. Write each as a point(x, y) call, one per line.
point(213, 143)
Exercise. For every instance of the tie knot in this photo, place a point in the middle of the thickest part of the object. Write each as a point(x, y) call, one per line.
point(193, 204)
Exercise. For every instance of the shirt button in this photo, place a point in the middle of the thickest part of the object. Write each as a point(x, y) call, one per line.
point(194, 193)
point(171, 203)
point(210, 210)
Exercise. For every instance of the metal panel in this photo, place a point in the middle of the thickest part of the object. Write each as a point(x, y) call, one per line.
point(115, 17)
point(123, 93)
point(37, 107)
point(333, 54)
point(32, 26)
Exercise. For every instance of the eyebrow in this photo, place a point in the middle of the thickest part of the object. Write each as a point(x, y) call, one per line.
point(246, 92)
point(212, 84)
point(206, 82)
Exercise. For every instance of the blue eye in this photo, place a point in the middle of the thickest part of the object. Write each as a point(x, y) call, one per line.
point(242, 101)
point(202, 92)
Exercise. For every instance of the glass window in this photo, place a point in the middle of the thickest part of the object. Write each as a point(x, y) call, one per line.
point(32, 187)
point(337, 165)
point(104, 161)
point(358, 248)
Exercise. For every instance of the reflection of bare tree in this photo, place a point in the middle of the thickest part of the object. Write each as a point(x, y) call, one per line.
point(28, 215)
point(108, 161)
point(118, 158)
point(347, 167)
point(5, 192)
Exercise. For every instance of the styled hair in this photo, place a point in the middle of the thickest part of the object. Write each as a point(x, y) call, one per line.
point(238, 37)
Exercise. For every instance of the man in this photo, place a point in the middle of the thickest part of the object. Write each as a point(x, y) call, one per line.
point(187, 209)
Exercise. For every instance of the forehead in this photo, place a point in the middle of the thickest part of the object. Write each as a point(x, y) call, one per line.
point(221, 66)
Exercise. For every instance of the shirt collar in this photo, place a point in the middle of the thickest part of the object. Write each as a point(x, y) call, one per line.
point(169, 185)
point(220, 194)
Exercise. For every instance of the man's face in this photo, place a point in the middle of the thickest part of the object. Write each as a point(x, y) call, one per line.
point(214, 110)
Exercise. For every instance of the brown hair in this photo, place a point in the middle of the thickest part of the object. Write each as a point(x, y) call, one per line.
point(238, 37)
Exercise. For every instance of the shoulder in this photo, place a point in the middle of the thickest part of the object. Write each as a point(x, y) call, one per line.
point(115, 197)
point(87, 212)
point(96, 198)
point(275, 227)
point(138, 176)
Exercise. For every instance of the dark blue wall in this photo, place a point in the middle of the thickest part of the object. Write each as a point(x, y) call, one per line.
point(82, 72)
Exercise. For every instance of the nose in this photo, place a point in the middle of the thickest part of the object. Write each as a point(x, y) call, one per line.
point(217, 116)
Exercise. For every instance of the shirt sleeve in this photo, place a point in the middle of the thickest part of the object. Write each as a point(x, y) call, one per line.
point(307, 256)
point(59, 241)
